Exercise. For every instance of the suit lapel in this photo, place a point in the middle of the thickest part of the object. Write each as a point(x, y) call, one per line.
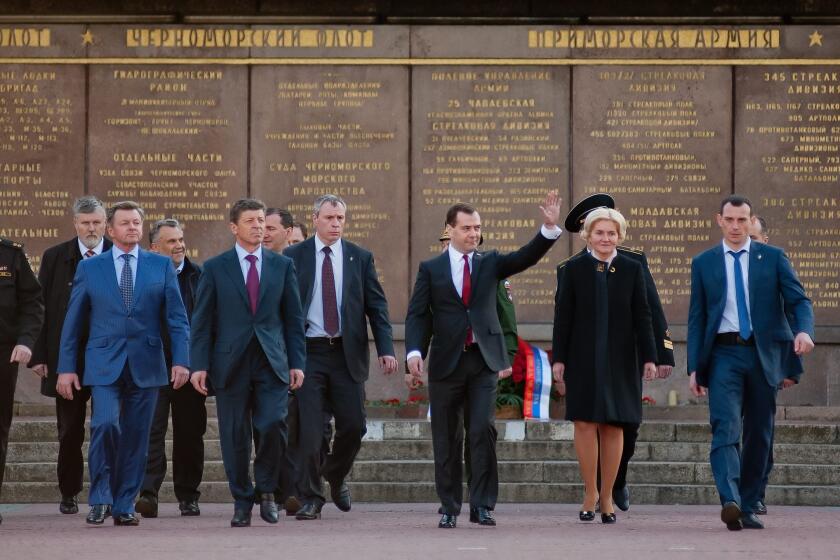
point(756, 258)
point(267, 270)
point(476, 264)
point(719, 283)
point(307, 273)
point(349, 260)
point(234, 272)
point(446, 269)
point(140, 277)
point(109, 273)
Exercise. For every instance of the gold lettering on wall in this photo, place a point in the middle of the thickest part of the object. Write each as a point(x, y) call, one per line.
point(195, 37)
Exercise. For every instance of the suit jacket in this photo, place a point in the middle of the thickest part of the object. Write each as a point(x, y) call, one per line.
point(58, 267)
point(223, 325)
point(188, 286)
point(437, 313)
point(21, 302)
point(773, 286)
point(362, 298)
point(117, 336)
point(664, 345)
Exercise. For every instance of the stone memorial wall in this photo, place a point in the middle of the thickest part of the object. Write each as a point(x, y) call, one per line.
point(402, 121)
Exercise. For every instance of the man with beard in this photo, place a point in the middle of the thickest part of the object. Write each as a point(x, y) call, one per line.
point(58, 267)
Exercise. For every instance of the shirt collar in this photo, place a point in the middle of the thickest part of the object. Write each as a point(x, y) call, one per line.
point(117, 252)
point(319, 246)
point(746, 247)
point(180, 267)
point(96, 250)
point(242, 253)
point(456, 255)
point(609, 260)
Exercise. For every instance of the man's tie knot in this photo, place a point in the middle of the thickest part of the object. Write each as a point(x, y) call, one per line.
point(251, 258)
point(327, 251)
point(89, 253)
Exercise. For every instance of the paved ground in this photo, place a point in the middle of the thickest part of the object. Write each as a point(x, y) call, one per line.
point(408, 531)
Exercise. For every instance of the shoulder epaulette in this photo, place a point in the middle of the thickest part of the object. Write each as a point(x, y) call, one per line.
point(630, 250)
point(562, 263)
point(9, 243)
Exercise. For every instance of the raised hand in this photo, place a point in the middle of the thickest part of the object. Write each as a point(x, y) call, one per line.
point(551, 209)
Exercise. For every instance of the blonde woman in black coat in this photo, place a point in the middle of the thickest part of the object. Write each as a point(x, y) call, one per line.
point(601, 317)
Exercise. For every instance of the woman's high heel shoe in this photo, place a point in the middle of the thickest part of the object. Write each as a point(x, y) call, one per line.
point(586, 515)
point(607, 518)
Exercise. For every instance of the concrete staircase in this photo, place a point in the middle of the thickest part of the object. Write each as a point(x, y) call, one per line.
point(536, 464)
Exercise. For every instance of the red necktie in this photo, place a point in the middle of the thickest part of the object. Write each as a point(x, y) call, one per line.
point(89, 253)
point(328, 298)
point(252, 283)
point(466, 291)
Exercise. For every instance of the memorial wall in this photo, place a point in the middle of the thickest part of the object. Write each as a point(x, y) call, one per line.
point(403, 121)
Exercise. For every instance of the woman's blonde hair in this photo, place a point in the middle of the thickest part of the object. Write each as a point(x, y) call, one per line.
point(604, 214)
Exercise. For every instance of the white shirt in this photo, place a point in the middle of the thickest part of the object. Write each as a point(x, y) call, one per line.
point(456, 266)
point(315, 316)
point(180, 267)
point(119, 262)
point(245, 265)
point(608, 261)
point(96, 250)
point(729, 322)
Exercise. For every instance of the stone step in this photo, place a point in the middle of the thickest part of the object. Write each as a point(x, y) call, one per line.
point(424, 492)
point(814, 454)
point(43, 429)
point(379, 471)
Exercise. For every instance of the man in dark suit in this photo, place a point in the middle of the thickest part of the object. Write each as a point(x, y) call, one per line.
point(741, 347)
point(58, 267)
point(189, 415)
point(118, 300)
point(454, 305)
point(341, 294)
point(21, 316)
point(664, 345)
point(248, 342)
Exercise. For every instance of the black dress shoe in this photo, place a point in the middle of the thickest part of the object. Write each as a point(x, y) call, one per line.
point(189, 508)
point(751, 521)
point(98, 513)
point(760, 508)
point(731, 515)
point(340, 494)
point(608, 518)
point(586, 515)
point(268, 508)
point(308, 512)
point(621, 498)
point(68, 505)
point(482, 516)
point(291, 505)
point(147, 505)
point(448, 521)
point(126, 520)
point(241, 518)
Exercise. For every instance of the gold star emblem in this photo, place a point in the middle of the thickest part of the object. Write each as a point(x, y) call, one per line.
point(816, 39)
point(87, 38)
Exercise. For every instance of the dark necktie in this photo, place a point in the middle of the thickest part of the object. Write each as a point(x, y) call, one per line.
point(127, 281)
point(89, 253)
point(741, 297)
point(252, 283)
point(328, 301)
point(466, 292)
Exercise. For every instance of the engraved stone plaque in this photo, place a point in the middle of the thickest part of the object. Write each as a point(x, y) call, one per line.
point(787, 161)
point(42, 153)
point(495, 137)
point(341, 130)
point(174, 139)
point(658, 139)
